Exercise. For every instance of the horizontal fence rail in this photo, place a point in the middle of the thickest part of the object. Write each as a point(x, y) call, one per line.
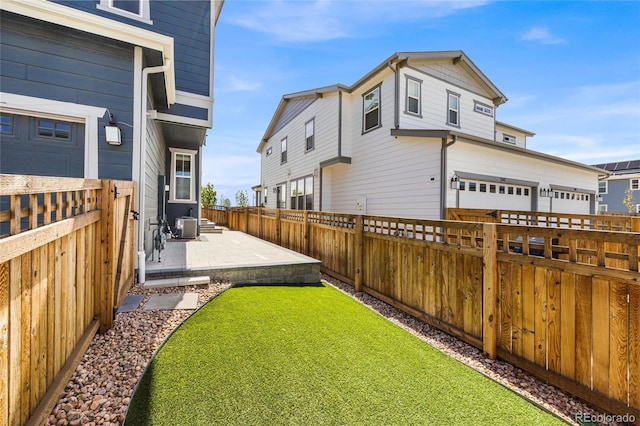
point(623, 223)
point(562, 302)
point(66, 253)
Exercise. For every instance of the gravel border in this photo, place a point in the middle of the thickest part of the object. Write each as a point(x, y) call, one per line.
point(101, 387)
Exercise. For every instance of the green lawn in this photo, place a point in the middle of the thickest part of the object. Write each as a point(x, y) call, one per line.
point(308, 356)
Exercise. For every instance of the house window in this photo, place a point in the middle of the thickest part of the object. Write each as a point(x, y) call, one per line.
point(453, 106)
point(6, 124)
point(302, 194)
point(509, 139)
point(54, 129)
point(483, 187)
point(462, 185)
point(133, 9)
point(526, 192)
point(472, 186)
point(413, 102)
point(182, 187)
point(602, 208)
point(371, 109)
point(281, 195)
point(635, 184)
point(603, 187)
point(482, 108)
point(492, 189)
point(283, 150)
point(309, 129)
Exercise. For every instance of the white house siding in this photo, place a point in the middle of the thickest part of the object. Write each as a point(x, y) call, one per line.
point(476, 159)
point(300, 162)
point(435, 101)
point(397, 176)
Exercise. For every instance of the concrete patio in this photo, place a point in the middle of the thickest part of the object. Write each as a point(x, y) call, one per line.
point(229, 256)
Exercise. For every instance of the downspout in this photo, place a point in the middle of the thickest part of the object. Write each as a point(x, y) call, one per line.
point(396, 95)
point(142, 159)
point(443, 174)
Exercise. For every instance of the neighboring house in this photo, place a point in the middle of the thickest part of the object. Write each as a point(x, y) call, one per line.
point(625, 175)
point(73, 71)
point(414, 136)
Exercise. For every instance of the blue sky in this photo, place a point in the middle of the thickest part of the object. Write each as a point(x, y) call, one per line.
point(571, 70)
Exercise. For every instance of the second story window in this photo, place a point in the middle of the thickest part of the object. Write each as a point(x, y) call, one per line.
point(283, 150)
point(134, 9)
point(413, 96)
point(371, 109)
point(509, 139)
point(453, 108)
point(603, 187)
point(635, 184)
point(309, 134)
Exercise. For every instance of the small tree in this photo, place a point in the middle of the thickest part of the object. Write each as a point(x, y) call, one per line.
point(208, 196)
point(628, 200)
point(224, 201)
point(242, 199)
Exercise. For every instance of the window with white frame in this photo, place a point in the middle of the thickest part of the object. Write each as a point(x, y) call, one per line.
point(453, 109)
point(603, 187)
point(634, 184)
point(309, 131)
point(509, 139)
point(283, 150)
point(134, 9)
point(182, 186)
point(281, 196)
point(371, 109)
point(602, 207)
point(302, 194)
point(414, 94)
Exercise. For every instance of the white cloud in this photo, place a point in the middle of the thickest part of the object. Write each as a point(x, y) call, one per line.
point(323, 20)
point(542, 35)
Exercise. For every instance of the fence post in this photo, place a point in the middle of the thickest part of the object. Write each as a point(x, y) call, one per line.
point(104, 294)
point(357, 282)
point(489, 290)
point(278, 240)
point(305, 233)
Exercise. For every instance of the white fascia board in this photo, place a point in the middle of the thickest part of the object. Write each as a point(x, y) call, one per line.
point(72, 18)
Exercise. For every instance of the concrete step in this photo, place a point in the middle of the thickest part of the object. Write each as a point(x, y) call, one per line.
point(177, 282)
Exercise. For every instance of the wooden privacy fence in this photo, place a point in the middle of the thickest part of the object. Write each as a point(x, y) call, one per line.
point(215, 214)
point(66, 262)
point(561, 303)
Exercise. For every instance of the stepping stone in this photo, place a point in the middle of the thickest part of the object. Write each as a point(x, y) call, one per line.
point(170, 301)
point(131, 303)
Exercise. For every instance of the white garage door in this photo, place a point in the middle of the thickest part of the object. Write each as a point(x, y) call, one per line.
point(476, 194)
point(570, 202)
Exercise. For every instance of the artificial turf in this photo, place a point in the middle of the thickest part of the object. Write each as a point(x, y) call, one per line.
point(312, 355)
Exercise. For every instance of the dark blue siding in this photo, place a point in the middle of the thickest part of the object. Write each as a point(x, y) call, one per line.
point(186, 111)
point(188, 22)
point(47, 61)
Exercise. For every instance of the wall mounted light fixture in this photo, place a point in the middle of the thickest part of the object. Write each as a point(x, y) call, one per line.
point(112, 131)
point(455, 183)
